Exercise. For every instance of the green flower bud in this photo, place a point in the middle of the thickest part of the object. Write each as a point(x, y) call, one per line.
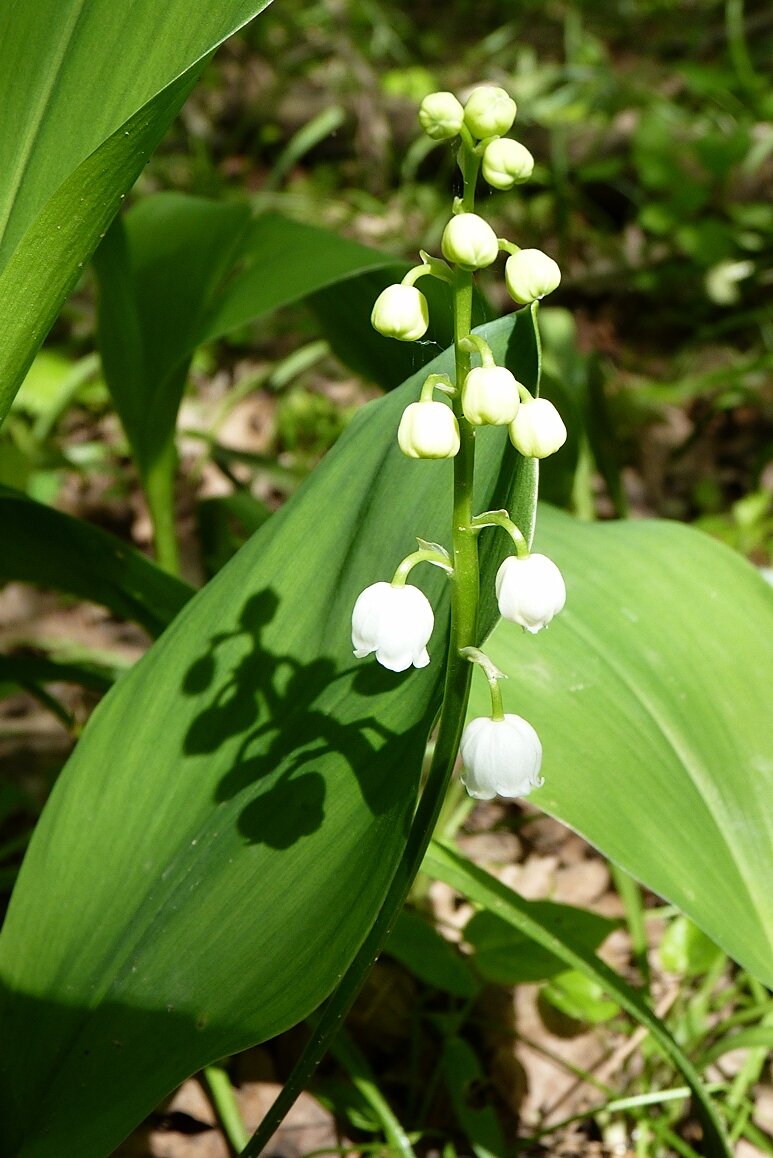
point(428, 430)
point(537, 429)
point(490, 396)
point(530, 274)
point(469, 241)
point(506, 163)
point(400, 311)
point(441, 116)
point(489, 112)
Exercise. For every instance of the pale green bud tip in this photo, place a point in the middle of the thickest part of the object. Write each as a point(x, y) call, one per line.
point(393, 622)
point(530, 274)
point(506, 163)
point(530, 591)
point(469, 241)
point(537, 429)
point(490, 396)
point(400, 311)
point(441, 116)
point(500, 757)
point(428, 430)
point(489, 112)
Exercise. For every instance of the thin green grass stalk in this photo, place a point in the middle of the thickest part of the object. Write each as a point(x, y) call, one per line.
point(223, 1100)
point(353, 1061)
point(158, 484)
point(630, 894)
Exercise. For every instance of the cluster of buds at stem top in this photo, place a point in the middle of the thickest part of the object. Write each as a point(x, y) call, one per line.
point(501, 753)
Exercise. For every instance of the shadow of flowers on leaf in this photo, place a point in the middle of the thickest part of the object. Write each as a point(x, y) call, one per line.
point(298, 725)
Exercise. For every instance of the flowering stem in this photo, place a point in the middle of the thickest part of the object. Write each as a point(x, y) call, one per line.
point(478, 345)
point(534, 310)
point(432, 267)
point(503, 520)
point(463, 629)
point(437, 382)
point(492, 674)
point(424, 555)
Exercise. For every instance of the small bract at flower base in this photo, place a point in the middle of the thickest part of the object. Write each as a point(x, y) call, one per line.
point(537, 429)
point(469, 242)
point(530, 591)
point(395, 622)
point(428, 430)
point(490, 396)
point(500, 757)
point(441, 116)
point(489, 111)
point(400, 311)
point(530, 274)
point(506, 163)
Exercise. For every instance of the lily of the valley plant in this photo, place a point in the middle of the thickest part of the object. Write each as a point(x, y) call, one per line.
point(501, 753)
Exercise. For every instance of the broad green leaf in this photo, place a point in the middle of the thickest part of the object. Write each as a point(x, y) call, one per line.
point(80, 119)
point(507, 956)
point(178, 271)
point(579, 997)
point(445, 864)
point(465, 1079)
point(218, 846)
point(44, 546)
point(651, 693)
point(419, 947)
point(25, 670)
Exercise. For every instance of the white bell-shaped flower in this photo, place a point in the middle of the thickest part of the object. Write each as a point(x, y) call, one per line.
point(428, 430)
point(400, 311)
point(530, 591)
point(530, 274)
point(441, 116)
point(395, 622)
point(506, 163)
point(469, 241)
point(490, 396)
point(537, 429)
point(489, 111)
point(500, 757)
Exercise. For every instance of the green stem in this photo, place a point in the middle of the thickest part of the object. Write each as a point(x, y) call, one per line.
point(503, 520)
point(158, 484)
point(463, 632)
point(222, 1096)
point(534, 310)
point(425, 555)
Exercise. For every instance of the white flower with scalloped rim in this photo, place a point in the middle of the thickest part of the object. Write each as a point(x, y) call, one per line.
point(469, 242)
point(428, 430)
point(530, 274)
point(395, 622)
point(537, 429)
point(490, 396)
point(530, 591)
point(500, 757)
point(400, 311)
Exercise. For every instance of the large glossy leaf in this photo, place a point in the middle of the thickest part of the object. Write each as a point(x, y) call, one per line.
point(179, 271)
point(223, 837)
point(45, 546)
point(87, 91)
point(651, 693)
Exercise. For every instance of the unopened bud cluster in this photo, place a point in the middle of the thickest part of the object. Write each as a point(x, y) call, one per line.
point(501, 754)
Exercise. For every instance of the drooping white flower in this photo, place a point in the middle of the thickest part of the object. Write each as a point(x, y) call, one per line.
point(469, 241)
point(428, 430)
point(506, 163)
point(530, 591)
point(441, 116)
point(489, 111)
point(500, 757)
point(400, 311)
point(490, 396)
point(537, 429)
point(530, 274)
point(395, 622)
